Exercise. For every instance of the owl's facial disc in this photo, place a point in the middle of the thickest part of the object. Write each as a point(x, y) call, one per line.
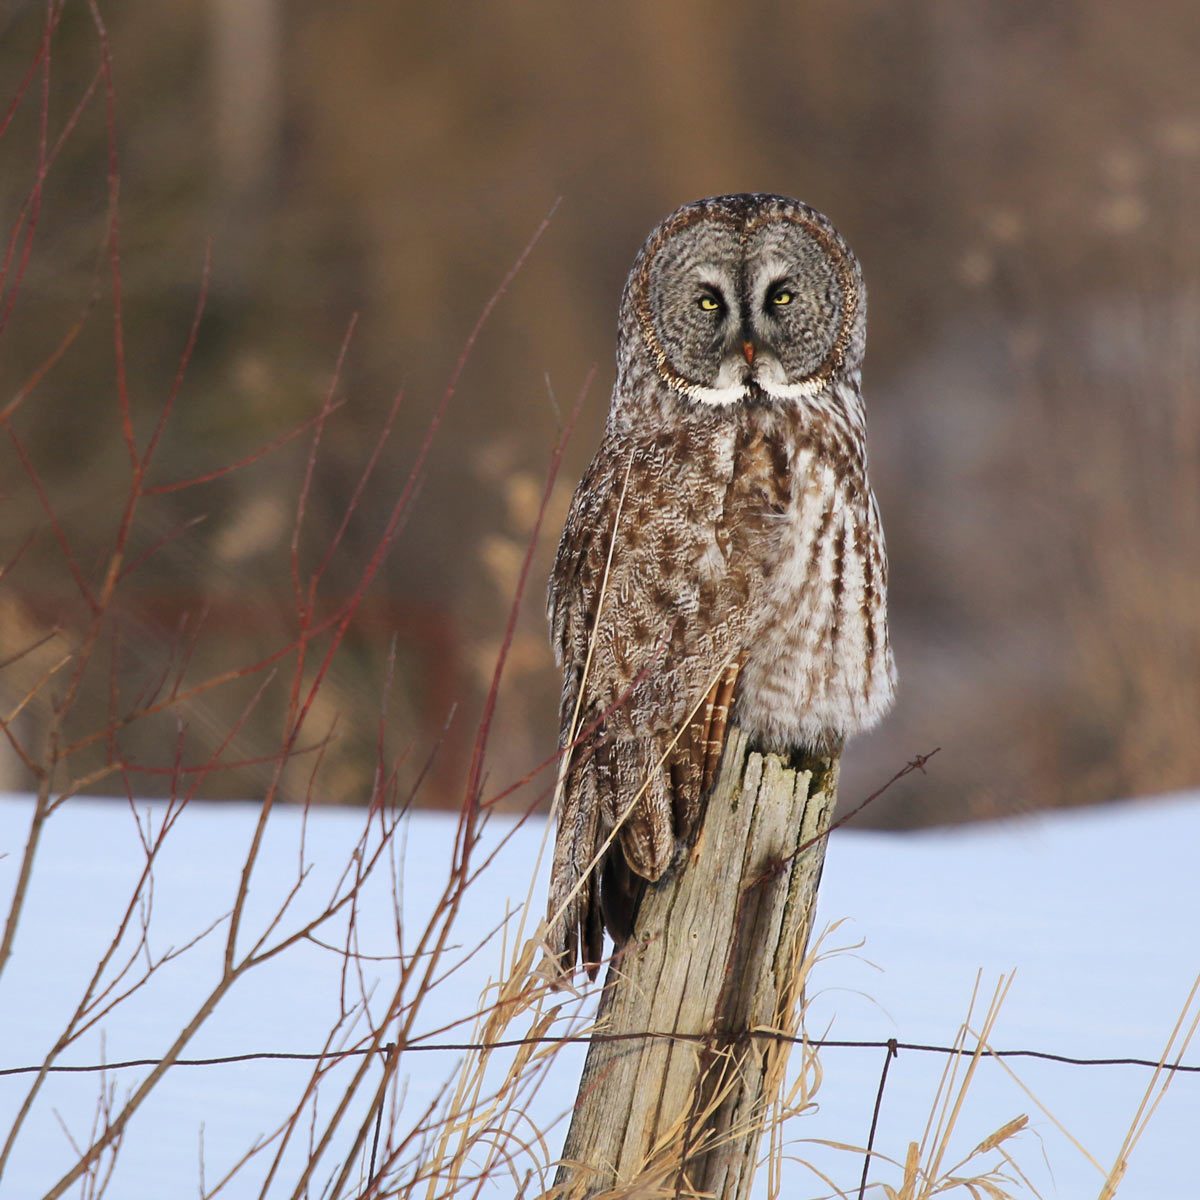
point(693, 296)
point(800, 297)
point(737, 311)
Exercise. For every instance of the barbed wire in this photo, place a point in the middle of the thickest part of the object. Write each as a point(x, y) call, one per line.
point(890, 1044)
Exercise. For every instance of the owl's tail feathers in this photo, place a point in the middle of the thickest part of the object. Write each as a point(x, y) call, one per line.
point(625, 783)
point(696, 757)
point(620, 894)
point(641, 801)
point(720, 703)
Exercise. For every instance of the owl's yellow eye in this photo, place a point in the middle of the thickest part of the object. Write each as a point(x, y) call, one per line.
point(783, 296)
point(709, 303)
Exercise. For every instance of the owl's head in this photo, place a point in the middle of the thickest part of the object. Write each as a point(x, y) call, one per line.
point(745, 298)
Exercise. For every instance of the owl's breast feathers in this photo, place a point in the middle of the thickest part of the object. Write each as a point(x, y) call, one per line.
point(710, 547)
point(821, 667)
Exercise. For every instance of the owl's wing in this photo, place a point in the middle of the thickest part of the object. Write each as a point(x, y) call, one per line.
point(577, 584)
point(649, 606)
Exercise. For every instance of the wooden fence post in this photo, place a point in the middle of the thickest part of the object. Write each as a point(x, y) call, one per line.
point(716, 953)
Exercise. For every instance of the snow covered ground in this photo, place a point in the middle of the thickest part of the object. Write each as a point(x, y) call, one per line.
point(1096, 911)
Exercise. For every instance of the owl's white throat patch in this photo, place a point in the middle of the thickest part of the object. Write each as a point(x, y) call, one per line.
point(804, 390)
point(737, 383)
point(737, 393)
point(718, 397)
point(771, 380)
point(731, 386)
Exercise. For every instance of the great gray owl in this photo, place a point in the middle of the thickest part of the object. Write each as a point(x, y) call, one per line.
point(723, 550)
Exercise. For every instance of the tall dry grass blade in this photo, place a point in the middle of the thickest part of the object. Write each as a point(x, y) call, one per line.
point(564, 762)
point(912, 1171)
point(1000, 1062)
point(948, 1076)
point(1147, 1107)
point(627, 811)
point(1003, 984)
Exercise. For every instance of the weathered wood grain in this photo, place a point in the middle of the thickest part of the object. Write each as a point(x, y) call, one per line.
point(716, 953)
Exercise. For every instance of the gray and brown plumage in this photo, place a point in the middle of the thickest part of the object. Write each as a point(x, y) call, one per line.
point(724, 546)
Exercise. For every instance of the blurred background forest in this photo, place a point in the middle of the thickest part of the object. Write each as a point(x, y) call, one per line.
point(1020, 180)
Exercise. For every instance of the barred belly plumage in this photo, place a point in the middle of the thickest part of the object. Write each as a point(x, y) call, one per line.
point(822, 669)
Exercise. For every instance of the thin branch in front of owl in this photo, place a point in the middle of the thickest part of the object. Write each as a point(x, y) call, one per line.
point(582, 738)
point(573, 725)
point(602, 848)
point(567, 742)
point(472, 803)
point(558, 417)
point(472, 794)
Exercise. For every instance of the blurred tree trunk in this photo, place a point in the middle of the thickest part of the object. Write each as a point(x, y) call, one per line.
point(248, 112)
point(718, 951)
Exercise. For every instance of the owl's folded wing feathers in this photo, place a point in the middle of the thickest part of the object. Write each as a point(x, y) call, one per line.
point(648, 619)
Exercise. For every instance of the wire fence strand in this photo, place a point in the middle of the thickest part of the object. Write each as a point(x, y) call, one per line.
point(586, 1039)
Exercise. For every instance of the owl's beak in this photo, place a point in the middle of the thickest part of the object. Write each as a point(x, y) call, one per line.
point(748, 351)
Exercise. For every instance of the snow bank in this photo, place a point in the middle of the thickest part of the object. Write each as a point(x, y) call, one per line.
point(1096, 912)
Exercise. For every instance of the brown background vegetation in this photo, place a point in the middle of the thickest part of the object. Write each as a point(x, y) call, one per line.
point(1020, 181)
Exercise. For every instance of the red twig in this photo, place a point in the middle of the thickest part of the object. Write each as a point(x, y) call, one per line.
point(173, 534)
point(30, 385)
point(33, 646)
point(54, 15)
point(471, 797)
point(162, 489)
point(114, 235)
point(356, 497)
point(60, 534)
point(7, 568)
point(31, 210)
point(185, 358)
point(303, 603)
